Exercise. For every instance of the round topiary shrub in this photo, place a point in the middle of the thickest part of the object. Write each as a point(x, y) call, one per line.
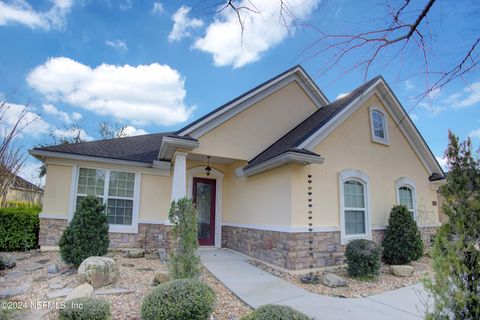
point(403, 242)
point(275, 312)
point(183, 299)
point(363, 258)
point(87, 233)
point(86, 309)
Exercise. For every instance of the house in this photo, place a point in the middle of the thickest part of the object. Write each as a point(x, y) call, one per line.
point(258, 168)
point(24, 191)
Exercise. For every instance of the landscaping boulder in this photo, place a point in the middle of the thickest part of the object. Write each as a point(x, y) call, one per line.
point(82, 291)
point(161, 277)
point(52, 268)
point(133, 253)
point(402, 270)
point(98, 271)
point(333, 281)
point(8, 261)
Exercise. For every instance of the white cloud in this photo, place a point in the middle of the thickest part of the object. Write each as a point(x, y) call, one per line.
point(130, 131)
point(433, 109)
point(341, 95)
point(120, 45)
point(140, 94)
point(126, 5)
point(157, 8)
point(20, 11)
point(182, 24)
point(442, 162)
point(71, 133)
point(409, 85)
point(32, 123)
point(262, 31)
point(65, 117)
point(474, 134)
point(469, 97)
point(414, 117)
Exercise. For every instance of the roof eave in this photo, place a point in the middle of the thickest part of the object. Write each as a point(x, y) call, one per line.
point(290, 157)
point(170, 144)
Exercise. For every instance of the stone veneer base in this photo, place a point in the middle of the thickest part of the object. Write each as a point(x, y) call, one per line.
point(290, 250)
point(149, 236)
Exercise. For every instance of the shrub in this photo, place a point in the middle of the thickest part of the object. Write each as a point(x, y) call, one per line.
point(402, 243)
point(86, 309)
point(184, 261)
point(18, 228)
point(23, 204)
point(87, 233)
point(275, 312)
point(363, 258)
point(182, 299)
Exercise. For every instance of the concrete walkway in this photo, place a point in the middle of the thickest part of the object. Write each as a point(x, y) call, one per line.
point(257, 287)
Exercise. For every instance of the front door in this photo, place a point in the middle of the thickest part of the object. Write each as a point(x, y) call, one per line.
point(204, 199)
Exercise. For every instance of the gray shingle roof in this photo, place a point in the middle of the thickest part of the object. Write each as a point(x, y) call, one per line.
point(297, 135)
point(142, 148)
point(20, 183)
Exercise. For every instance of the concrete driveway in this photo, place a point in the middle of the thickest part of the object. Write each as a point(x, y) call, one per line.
point(257, 287)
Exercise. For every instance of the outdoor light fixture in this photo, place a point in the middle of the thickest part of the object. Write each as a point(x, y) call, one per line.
point(208, 169)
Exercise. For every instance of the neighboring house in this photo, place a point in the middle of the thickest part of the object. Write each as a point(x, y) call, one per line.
point(24, 191)
point(247, 166)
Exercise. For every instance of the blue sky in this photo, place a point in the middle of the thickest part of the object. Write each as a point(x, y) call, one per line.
point(156, 65)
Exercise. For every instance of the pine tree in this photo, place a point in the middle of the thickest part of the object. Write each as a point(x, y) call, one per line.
point(455, 285)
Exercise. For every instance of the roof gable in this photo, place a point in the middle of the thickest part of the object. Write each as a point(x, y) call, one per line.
point(225, 112)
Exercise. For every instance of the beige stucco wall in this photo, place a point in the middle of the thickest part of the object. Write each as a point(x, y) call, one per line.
point(350, 146)
point(251, 131)
point(155, 189)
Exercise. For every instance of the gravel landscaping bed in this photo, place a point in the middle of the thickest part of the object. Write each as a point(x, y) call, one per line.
point(357, 288)
point(136, 276)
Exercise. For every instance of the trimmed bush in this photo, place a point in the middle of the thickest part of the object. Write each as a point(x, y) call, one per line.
point(363, 258)
point(87, 233)
point(183, 299)
point(18, 228)
point(402, 243)
point(275, 312)
point(86, 309)
point(184, 261)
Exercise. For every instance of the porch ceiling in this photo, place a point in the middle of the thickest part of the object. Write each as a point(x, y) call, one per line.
point(213, 159)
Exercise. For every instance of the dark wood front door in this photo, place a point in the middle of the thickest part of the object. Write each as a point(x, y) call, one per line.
point(204, 198)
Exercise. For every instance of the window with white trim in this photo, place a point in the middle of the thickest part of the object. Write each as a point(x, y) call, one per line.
point(379, 125)
point(354, 205)
point(114, 188)
point(406, 194)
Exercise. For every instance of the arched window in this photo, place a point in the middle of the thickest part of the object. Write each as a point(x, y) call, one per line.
point(379, 125)
point(354, 204)
point(406, 194)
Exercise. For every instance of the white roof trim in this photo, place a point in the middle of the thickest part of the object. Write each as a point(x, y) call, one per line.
point(283, 159)
point(396, 111)
point(297, 74)
point(170, 144)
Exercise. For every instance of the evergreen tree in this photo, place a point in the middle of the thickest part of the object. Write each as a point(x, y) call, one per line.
point(455, 285)
point(184, 260)
point(87, 233)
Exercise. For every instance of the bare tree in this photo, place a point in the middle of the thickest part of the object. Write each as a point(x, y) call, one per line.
point(405, 30)
point(108, 130)
point(12, 156)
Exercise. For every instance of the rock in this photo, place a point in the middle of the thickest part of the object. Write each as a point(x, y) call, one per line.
point(55, 285)
point(161, 277)
point(42, 261)
point(333, 281)
point(68, 272)
point(33, 267)
point(14, 291)
point(59, 293)
point(129, 265)
point(402, 271)
point(133, 253)
point(98, 271)
point(111, 291)
point(145, 269)
point(162, 254)
point(9, 260)
point(52, 268)
point(41, 278)
point(82, 291)
point(14, 274)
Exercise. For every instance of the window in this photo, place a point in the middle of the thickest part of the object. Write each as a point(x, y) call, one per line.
point(354, 204)
point(379, 126)
point(406, 194)
point(114, 188)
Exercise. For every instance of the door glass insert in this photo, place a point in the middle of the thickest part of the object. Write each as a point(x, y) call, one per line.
point(204, 203)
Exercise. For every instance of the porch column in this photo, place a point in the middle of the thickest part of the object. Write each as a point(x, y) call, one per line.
point(179, 181)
